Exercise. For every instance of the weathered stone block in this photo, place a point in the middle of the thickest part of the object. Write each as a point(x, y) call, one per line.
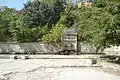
point(14, 57)
point(91, 62)
point(3, 78)
point(24, 57)
point(94, 61)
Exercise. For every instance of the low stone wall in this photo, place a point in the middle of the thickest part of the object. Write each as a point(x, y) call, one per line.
point(47, 48)
point(28, 48)
point(87, 48)
point(47, 56)
point(41, 48)
point(112, 51)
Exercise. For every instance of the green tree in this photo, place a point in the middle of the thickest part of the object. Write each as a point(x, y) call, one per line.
point(8, 16)
point(54, 35)
point(99, 24)
point(38, 13)
point(22, 33)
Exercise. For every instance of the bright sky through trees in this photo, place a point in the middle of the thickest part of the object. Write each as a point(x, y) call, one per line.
point(18, 4)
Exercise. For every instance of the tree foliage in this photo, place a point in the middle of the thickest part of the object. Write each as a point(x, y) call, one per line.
point(38, 13)
point(30, 23)
point(8, 17)
point(44, 20)
point(100, 24)
point(54, 35)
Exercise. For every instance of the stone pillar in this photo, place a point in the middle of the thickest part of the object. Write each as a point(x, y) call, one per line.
point(78, 47)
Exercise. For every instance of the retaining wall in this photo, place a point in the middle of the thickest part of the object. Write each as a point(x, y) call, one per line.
point(46, 48)
point(28, 48)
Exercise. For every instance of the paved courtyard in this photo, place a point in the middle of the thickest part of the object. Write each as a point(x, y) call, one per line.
point(50, 69)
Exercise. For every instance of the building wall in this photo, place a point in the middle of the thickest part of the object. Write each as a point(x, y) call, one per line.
point(84, 3)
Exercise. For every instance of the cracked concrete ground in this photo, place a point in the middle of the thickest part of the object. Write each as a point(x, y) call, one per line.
point(50, 69)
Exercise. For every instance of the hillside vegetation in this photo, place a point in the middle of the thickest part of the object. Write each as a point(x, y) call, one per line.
point(44, 21)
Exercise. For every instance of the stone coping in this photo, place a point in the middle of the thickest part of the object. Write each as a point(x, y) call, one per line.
point(53, 56)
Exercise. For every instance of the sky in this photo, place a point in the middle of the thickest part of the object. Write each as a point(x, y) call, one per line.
point(18, 4)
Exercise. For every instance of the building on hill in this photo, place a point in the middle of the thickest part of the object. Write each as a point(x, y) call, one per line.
point(84, 3)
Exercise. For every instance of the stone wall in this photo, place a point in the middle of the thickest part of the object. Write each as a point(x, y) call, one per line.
point(86, 48)
point(89, 48)
point(41, 48)
point(113, 51)
point(51, 48)
point(28, 48)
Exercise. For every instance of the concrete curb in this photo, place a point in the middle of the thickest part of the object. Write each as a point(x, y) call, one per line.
point(49, 57)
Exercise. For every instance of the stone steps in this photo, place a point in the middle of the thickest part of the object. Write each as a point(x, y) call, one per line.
point(52, 56)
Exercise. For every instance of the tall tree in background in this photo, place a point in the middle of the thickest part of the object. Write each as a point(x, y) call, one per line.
point(38, 13)
point(100, 24)
point(8, 17)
